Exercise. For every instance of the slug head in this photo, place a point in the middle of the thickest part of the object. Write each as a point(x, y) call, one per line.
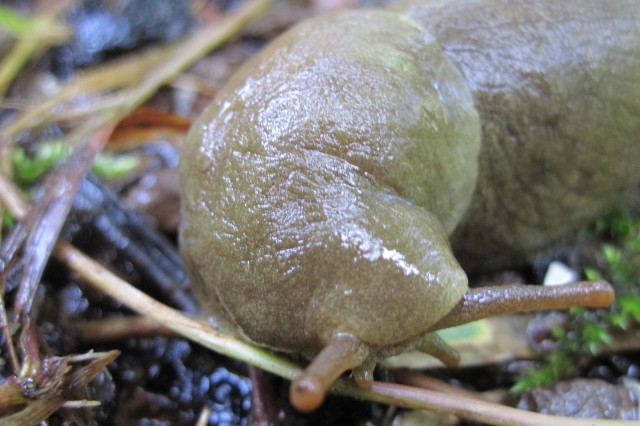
point(320, 186)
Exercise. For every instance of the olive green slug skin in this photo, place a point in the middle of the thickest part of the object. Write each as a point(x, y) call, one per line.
point(311, 198)
point(557, 87)
point(320, 186)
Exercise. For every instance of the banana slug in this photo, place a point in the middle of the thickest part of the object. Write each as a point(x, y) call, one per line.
point(328, 185)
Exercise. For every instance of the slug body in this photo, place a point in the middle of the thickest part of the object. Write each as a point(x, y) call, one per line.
point(322, 184)
point(557, 87)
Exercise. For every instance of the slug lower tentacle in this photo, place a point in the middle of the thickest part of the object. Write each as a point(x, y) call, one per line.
point(322, 184)
point(343, 353)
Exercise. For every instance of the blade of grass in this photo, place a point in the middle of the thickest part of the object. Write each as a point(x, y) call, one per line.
point(17, 25)
point(110, 76)
point(159, 72)
point(34, 34)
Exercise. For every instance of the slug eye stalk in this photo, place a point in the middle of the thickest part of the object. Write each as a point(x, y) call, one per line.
point(346, 352)
point(484, 302)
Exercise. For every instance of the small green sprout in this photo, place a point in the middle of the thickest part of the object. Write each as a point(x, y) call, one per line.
point(29, 168)
point(109, 166)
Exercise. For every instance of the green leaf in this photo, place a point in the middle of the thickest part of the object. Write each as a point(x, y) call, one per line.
point(540, 377)
point(28, 169)
point(595, 335)
point(630, 307)
point(557, 365)
point(592, 274)
point(13, 22)
point(618, 320)
point(557, 333)
point(108, 166)
point(7, 219)
point(612, 255)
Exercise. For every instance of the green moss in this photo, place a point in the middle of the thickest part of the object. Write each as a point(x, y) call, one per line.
point(588, 330)
point(557, 364)
point(621, 255)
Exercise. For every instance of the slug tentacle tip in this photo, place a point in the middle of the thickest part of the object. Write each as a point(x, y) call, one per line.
point(598, 294)
point(343, 353)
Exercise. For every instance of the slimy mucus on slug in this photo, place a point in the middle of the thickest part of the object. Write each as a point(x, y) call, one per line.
point(322, 185)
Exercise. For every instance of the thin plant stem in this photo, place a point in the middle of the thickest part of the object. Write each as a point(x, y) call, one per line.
point(412, 378)
point(470, 408)
point(33, 34)
point(475, 409)
point(404, 396)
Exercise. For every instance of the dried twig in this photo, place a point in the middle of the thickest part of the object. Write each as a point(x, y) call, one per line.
point(44, 220)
